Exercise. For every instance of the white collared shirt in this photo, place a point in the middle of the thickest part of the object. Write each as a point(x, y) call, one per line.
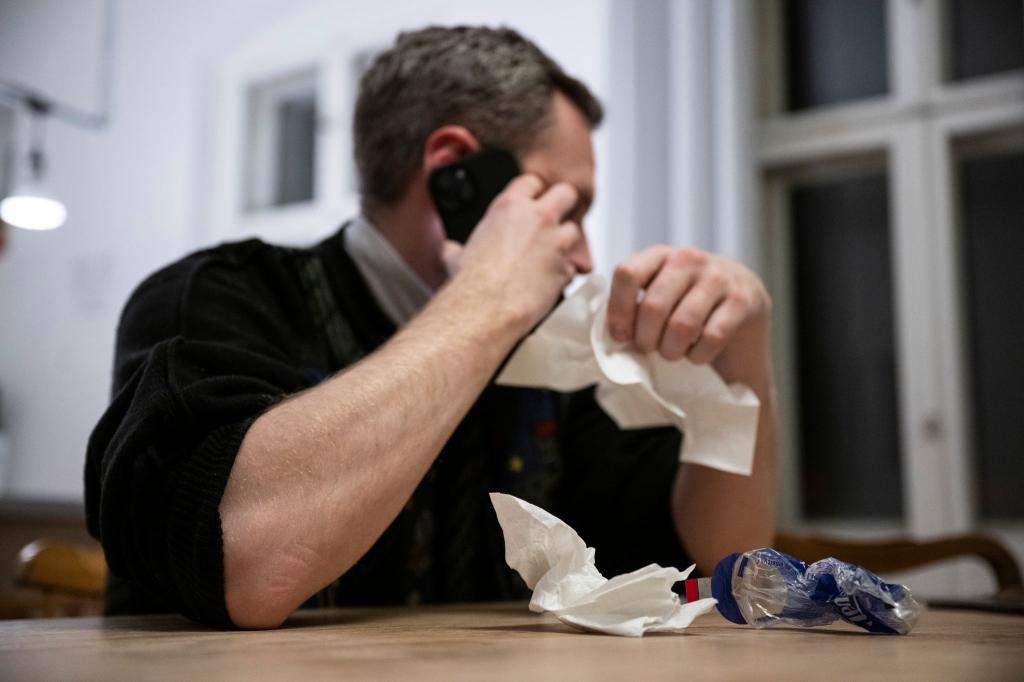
point(396, 287)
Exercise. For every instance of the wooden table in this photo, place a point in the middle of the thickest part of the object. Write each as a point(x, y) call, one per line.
point(502, 641)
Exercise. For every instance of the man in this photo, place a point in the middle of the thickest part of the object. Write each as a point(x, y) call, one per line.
point(284, 417)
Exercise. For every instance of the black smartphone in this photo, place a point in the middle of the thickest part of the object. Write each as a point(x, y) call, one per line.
point(463, 190)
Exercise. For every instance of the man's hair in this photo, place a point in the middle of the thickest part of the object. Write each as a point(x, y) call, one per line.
point(494, 82)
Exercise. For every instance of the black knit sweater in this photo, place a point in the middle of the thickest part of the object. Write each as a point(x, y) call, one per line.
point(210, 342)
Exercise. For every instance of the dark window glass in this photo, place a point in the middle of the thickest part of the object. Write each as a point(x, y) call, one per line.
point(296, 149)
point(6, 150)
point(992, 201)
point(849, 417)
point(986, 36)
point(280, 167)
point(835, 51)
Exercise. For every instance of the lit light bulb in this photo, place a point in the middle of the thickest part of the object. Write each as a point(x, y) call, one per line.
point(31, 207)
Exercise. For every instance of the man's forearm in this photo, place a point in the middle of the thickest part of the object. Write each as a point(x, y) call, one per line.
point(717, 513)
point(320, 477)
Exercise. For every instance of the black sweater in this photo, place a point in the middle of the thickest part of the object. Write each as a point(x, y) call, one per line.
point(207, 344)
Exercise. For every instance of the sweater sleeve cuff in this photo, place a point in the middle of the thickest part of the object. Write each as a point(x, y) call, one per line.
point(194, 539)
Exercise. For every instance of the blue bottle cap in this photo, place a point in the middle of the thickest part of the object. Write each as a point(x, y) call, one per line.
point(721, 589)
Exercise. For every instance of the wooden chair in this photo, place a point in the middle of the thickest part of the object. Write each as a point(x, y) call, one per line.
point(71, 577)
point(899, 554)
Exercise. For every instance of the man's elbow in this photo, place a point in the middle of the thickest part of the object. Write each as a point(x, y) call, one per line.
point(256, 597)
point(249, 611)
point(262, 587)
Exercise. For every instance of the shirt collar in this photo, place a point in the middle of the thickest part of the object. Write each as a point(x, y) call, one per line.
point(396, 287)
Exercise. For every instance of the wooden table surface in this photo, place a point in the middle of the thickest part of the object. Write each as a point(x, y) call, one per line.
point(502, 641)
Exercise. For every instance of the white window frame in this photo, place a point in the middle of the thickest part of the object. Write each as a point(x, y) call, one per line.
point(915, 126)
point(263, 129)
point(295, 43)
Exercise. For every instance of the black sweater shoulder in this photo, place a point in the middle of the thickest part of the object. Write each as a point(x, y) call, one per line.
point(234, 282)
point(204, 346)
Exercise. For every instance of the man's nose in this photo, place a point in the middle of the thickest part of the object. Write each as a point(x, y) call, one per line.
point(580, 255)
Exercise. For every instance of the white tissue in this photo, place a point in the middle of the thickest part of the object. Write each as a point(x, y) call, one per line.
point(572, 349)
point(558, 566)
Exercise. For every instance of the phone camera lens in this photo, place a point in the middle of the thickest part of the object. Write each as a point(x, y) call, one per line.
point(464, 188)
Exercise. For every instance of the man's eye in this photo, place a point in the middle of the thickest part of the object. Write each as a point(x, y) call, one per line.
point(580, 213)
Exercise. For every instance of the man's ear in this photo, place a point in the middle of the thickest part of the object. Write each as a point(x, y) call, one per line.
point(447, 145)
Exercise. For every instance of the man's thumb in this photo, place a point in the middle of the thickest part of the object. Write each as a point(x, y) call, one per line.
point(451, 253)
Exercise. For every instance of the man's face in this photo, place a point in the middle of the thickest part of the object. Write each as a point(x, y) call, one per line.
point(564, 153)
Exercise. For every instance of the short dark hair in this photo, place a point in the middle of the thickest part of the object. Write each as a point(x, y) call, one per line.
point(494, 82)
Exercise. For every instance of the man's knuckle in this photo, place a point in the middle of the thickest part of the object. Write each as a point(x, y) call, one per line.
point(741, 298)
point(645, 344)
point(625, 274)
point(682, 327)
point(544, 214)
point(569, 190)
point(683, 257)
point(691, 256)
point(713, 338)
point(715, 276)
point(662, 250)
point(671, 351)
point(569, 238)
point(503, 201)
point(678, 259)
point(653, 307)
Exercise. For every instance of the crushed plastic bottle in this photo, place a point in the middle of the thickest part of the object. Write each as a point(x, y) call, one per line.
point(765, 588)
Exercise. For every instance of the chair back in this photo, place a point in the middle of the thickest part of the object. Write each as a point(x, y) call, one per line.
point(72, 577)
point(900, 554)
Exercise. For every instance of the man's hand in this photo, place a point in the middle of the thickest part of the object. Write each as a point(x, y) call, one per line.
point(689, 303)
point(524, 252)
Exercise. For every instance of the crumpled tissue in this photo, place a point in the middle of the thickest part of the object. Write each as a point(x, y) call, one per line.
point(572, 349)
point(558, 566)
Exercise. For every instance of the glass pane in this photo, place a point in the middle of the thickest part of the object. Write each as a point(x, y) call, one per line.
point(6, 150)
point(992, 201)
point(986, 36)
point(835, 51)
point(281, 141)
point(296, 149)
point(849, 419)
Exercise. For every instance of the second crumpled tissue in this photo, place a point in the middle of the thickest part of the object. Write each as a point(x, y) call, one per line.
point(559, 567)
point(572, 349)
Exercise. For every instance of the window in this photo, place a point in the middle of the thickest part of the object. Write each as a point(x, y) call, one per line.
point(992, 243)
point(849, 436)
point(835, 51)
point(278, 156)
point(891, 157)
point(985, 37)
point(7, 149)
point(281, 141)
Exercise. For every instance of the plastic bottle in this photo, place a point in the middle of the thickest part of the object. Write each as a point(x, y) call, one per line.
point(766, 588)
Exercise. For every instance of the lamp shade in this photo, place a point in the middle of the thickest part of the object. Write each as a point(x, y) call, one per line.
point(31, 207)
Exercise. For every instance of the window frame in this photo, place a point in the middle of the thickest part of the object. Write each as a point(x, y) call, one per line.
point(301, 42)
point(262, 130)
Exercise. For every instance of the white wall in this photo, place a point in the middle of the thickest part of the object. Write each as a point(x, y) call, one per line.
point(137, 193)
